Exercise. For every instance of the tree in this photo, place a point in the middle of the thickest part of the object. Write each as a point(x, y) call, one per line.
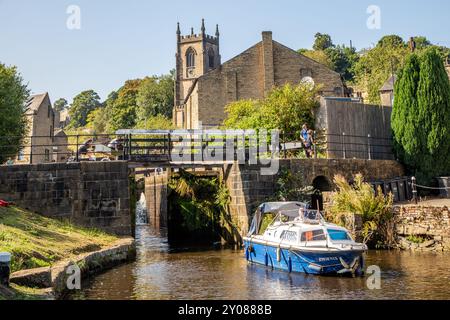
point(343, 60)
point(97, 120)
point(377, 65)
point(318, 56)
point(243, 114)
point(81, 106)
point(322, 42)
point(285, 108)
point(13, 122)
point(422, 42)
point(391, 41)
point(156, 97)
point(433, 96)
point(158, 122)
point(405, 126)
point(421, 116)
point(124, 108)
point(338, 58)
point(60, 104)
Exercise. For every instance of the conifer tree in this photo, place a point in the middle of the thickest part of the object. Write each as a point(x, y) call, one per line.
point(433, 96)
point(421, 116)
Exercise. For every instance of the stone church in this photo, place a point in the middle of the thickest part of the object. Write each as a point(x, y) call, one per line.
point(204, 85)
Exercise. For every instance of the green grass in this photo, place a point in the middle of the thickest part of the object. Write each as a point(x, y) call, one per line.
point(35, 241)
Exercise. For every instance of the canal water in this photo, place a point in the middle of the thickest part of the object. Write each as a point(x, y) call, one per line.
point(161, 272)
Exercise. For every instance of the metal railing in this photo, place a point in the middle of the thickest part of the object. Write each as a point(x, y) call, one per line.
point(192, 145)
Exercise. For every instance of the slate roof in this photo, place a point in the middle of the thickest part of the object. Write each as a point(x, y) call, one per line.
point(35, 102)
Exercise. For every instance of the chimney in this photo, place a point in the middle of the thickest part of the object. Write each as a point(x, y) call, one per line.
point(267, 53)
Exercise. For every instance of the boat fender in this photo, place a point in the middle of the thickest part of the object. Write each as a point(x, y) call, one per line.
point(290, 264)
point(266, 259)
point(278, 254)
point(247, 254)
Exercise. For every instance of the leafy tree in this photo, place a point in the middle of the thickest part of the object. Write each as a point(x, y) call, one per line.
point(82, 104)
point(343, 60)
point(322, 42)
point(124, 108)
point(285, 108)
point(422, 42)
point(391, 41)
point(318, 56)
point(60, 104)
point(243, 114)
point(156, 97)
point(377, 65)
point(338, 58)
point(13, 122)
point(97, 120)
point(155, 122)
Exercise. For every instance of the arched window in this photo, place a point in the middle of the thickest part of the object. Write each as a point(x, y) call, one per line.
point(190, 58)
point(211, 57)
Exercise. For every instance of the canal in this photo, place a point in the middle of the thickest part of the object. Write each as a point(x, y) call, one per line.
point(162, 272)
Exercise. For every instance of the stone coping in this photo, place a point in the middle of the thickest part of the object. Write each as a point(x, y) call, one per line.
point(54, 278)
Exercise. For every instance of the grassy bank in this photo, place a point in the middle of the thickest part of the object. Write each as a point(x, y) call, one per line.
point(35, 241)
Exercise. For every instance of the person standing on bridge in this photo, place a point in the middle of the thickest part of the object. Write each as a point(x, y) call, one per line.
point(304, 138)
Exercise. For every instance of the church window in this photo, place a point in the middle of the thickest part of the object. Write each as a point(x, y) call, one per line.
point(190, 58)
point(211, 57)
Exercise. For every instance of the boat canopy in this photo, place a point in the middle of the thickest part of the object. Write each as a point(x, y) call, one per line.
point(287, 209)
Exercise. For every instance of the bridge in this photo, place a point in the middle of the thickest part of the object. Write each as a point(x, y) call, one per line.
point(98, 193)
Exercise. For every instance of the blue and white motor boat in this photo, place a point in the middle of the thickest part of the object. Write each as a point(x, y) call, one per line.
point(291, 237)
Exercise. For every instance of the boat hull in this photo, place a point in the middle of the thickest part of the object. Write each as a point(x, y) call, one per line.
point(309, 261)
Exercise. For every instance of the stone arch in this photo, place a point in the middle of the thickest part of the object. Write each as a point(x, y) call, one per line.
point(322, 184)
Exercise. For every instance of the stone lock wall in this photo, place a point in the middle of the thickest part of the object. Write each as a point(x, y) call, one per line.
point(156, 197)
point(431, 223)
point(90, 194)
point(249, 188)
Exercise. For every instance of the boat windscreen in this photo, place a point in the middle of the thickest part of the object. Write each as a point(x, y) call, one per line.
point(286, 209)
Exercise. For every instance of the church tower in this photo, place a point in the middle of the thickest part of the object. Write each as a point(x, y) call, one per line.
point(196, 55)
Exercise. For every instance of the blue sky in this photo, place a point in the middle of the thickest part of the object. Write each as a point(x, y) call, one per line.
point(121, 40)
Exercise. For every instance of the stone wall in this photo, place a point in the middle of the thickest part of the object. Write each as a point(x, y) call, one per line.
point(431, 224)
point(250, 75)
point(249, 188)
point(90, 194)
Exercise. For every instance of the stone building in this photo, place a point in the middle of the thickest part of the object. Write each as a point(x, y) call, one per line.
point(387, 92)
point(60, 146)
point(41, 123)
point(204, 86)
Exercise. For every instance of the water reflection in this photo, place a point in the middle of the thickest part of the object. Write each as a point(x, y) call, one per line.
point(164, 273)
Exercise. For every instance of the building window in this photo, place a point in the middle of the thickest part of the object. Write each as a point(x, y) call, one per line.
point(211, 58)
point(190, 58)
point(305, 73)
point(47, 155)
